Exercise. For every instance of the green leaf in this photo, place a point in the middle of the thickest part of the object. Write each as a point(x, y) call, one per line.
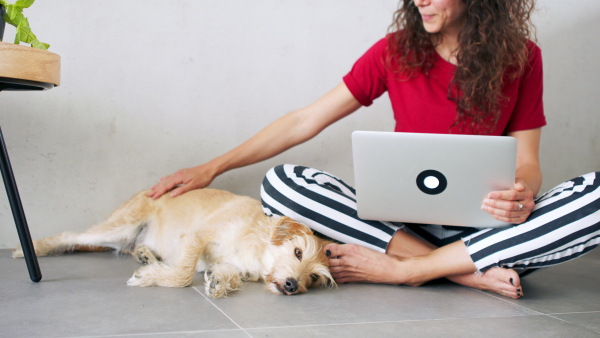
point(39, 45)
point(14, 16)
point(12, 12)
point(17, 36)
point(24, 3)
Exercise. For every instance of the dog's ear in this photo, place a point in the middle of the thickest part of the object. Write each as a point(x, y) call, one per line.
point(287, 228)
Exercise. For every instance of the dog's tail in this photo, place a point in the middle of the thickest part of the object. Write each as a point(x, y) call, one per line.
point(121, 231)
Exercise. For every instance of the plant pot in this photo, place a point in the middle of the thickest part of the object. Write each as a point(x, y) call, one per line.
point(2, 23)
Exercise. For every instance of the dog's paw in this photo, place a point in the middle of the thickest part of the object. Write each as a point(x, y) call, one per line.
point(140, 279)
point(161, 275)
point(218, 285)
point(145, 255)
point(213, 286)
point(17, 252)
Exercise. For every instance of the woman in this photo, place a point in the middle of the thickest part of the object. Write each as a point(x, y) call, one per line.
point(449, 66)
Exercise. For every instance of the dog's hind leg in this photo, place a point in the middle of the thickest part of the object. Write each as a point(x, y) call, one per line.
point(55, 245)
point(118, 232)
point(222, 279)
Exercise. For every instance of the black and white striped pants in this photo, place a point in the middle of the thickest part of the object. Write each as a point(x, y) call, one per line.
point(564, 224)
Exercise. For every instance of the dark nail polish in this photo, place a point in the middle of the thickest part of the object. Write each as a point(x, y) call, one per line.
point(518, 295)
point(511, 282)
point(519, 290)
point(328, 253)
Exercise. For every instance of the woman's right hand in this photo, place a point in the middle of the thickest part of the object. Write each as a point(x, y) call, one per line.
point(183, 181)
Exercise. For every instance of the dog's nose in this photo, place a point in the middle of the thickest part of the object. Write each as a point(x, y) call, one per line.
point(291, 285)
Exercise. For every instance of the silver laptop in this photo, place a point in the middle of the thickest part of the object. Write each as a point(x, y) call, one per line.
point(431, 178)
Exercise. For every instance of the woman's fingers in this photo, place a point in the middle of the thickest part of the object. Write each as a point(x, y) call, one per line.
point(181, 182)
point(511, 206)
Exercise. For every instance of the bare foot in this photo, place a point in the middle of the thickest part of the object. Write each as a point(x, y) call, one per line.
point(502, 281)
point(350, 263)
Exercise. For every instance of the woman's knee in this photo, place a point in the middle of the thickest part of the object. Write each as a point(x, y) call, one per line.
point(278, 177)
point(283, 184)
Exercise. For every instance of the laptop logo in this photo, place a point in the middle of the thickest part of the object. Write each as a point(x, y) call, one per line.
point(432, 182)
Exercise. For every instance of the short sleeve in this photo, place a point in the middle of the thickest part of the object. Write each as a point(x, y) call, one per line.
point(367, 79)
point(529, 108)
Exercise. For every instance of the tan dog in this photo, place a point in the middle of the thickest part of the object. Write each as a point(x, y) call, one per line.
point(224, 234)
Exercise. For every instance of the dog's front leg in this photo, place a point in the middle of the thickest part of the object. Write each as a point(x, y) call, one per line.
point(180, 273)
point(222, 279)
point(159, 274)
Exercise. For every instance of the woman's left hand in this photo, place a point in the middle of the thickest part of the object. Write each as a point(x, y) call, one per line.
point(511, 206)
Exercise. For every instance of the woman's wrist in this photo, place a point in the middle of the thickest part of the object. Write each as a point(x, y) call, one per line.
point(216, 166)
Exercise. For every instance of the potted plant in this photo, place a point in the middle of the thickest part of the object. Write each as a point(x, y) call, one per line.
point(13, 15)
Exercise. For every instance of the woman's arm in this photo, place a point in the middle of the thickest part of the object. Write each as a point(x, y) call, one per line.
point(515, 206)
point(286, 132)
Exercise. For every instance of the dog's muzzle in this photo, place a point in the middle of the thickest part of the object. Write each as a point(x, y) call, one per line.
point(290, 287)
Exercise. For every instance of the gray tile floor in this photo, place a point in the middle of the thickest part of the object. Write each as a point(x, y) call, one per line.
point(85, 295)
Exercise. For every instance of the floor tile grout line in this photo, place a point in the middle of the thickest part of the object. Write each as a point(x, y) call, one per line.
point(506, 301)
point(546, 314)
point(334, 324)
point(384, 322)
point(566, 321)
point(549, 315)
point(223, 312)
point(573, 313)
point(154, 333)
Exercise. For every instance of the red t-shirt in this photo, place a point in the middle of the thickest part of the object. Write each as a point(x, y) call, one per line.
point(421, 103)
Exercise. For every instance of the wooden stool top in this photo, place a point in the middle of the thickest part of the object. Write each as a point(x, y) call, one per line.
point(28, 63)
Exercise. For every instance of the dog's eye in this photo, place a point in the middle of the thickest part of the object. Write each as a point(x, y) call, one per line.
point(314, 277)
point(298, 253)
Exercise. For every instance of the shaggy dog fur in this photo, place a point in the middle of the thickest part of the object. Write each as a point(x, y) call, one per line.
point(226, 235)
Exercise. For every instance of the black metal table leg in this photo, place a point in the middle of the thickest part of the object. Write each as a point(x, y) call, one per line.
point(18, 213)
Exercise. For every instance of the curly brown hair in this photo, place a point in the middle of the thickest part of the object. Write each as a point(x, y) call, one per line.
point(492, 49)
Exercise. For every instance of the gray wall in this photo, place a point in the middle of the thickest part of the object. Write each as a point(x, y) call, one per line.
point(149, 87)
